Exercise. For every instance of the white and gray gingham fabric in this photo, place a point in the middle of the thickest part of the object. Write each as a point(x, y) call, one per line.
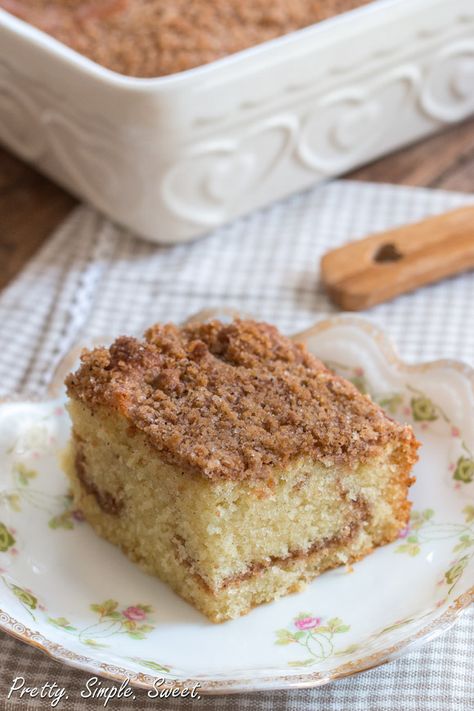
point(92, 279)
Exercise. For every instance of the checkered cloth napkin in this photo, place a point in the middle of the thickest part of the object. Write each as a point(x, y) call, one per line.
point(94, 279)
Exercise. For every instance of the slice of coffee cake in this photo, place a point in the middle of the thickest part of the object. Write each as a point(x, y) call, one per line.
point(231, 463)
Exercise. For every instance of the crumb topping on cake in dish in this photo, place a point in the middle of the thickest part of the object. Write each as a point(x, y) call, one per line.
point(149, 38)
point(233, 400)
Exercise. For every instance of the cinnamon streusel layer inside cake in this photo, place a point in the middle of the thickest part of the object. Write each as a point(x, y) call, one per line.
point(231, 463)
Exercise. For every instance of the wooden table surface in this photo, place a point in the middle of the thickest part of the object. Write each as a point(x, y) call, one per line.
point(31, 205)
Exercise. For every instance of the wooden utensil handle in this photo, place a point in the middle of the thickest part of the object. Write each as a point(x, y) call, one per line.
point(377, 268)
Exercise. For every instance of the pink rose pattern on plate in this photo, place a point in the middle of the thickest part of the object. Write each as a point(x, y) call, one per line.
point(307, 623)
point(137, 614)
point(314, 635)
point(134, 621)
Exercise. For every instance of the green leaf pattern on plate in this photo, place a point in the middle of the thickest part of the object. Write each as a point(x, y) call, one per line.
point(314, 635)
point(7, 539)
point(423, 528)
point(134, 621)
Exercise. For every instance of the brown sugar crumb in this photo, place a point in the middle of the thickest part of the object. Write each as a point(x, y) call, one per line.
point(233, 400)
point(149, 38)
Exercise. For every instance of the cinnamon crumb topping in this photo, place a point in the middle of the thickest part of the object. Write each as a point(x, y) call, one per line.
point(233, 400)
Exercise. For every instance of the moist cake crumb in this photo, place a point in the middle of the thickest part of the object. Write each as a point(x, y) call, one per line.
point(149, 38)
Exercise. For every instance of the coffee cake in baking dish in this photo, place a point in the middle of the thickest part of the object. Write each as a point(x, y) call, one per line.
point(231, 463)
point(149, 38)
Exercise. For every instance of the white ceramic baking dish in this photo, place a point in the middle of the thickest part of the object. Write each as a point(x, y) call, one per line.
point(174, 157)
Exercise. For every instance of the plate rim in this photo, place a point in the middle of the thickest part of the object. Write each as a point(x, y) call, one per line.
point(16, 629)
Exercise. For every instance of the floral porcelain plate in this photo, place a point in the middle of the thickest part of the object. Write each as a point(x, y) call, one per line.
point(71, 594)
